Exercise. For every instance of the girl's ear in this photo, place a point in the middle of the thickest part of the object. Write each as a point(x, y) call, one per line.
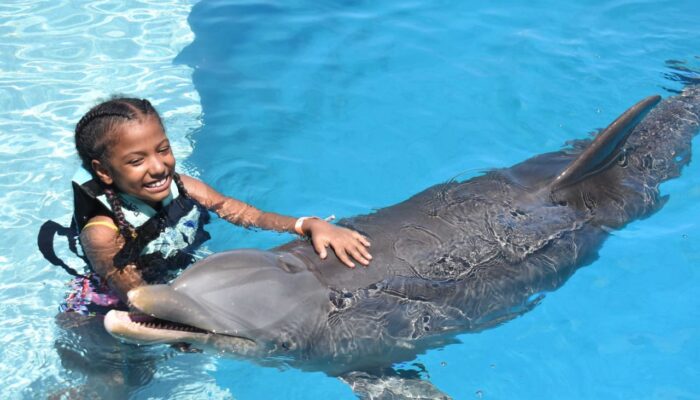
point(102, 172)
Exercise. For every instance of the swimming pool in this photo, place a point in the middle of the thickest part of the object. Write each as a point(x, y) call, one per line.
point(344, 107)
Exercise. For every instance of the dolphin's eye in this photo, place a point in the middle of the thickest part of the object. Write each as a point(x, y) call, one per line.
point(622, 159)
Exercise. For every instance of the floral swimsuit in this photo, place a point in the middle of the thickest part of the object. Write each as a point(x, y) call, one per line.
point(90, 295)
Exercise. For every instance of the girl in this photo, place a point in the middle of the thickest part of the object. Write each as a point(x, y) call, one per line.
point(139, 221)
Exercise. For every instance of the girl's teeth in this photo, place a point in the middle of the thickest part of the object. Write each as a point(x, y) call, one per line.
point(156, 184)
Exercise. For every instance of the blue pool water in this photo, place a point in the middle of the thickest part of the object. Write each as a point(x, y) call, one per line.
point(343, 107)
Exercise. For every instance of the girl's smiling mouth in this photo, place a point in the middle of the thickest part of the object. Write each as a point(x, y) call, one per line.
point(159, 185)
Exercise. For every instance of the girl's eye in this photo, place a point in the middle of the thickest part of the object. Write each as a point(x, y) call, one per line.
point(136, 161)
point(164, 149)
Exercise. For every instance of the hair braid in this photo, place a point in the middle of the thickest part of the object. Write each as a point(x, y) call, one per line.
point(95, 114)
point(125, 228)
point(180, 185)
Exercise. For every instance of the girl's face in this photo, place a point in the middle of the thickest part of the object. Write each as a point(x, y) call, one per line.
point(140, 162)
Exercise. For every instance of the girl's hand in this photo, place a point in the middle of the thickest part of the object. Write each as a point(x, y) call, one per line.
point(344, 242)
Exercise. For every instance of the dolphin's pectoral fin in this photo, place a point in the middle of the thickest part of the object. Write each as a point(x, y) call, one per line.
point(390, 385)
point(604, 149)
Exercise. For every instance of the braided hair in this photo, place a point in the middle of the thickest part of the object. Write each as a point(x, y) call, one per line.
point(180, 185)
point(95, 133)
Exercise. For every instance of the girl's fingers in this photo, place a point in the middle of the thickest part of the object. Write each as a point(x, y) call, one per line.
point(358, 256)
point(343, 256)
point(320, 248)
point(346, 247)
point(362, 239)
point(364, 252)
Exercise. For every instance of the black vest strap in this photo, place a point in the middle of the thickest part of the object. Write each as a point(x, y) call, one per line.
point(47, 232)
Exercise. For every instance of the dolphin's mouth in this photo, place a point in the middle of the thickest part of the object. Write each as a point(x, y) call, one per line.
point(161, 315)
point(149, 322)
point(139, 328)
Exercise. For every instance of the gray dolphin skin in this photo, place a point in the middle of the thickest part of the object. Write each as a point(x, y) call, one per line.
point(457, 257)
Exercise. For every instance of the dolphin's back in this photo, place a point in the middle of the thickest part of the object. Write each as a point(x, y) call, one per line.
point(486, 246)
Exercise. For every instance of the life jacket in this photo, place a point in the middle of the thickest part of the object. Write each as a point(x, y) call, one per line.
point(165, 240)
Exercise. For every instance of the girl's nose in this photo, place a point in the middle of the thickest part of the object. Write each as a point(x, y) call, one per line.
point(156, 167)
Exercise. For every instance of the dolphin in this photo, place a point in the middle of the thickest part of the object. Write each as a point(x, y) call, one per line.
point(457, 257)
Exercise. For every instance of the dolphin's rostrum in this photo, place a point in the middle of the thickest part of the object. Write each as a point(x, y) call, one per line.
point(457, 257)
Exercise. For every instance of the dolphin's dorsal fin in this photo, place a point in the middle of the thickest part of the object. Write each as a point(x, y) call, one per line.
point(604, 148)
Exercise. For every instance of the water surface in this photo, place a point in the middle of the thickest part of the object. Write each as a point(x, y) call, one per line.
point(343, 107)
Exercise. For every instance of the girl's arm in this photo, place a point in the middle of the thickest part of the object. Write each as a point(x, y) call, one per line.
point(101, 242)
point(345, 242)
point(235, 211)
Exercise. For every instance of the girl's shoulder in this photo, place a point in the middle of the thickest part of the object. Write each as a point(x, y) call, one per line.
point(98, 231)
point(192, 183)
point(199, 191)
point(102, 221)
point(188, 180)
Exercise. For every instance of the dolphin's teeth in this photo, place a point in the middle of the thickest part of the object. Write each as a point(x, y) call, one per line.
point(158, 324)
